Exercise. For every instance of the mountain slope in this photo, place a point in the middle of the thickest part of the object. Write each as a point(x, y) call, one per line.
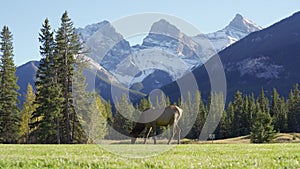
point(97, 78)
point(264, 59)
point(26, 75)
point(237, 29)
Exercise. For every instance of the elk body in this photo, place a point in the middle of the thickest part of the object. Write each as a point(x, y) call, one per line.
point(152, 118)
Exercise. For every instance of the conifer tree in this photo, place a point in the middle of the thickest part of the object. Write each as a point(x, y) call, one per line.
point(28, 108)
point(9, 112)
point(263, 102)
point(200, 118)
point(230, 119)
point(262, 129)
point(47, 118)
point(238, 105)
point(278, 112)
point(294, 110)
point(67, 48)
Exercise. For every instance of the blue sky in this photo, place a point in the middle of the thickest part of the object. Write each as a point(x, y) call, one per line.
point(24, 18)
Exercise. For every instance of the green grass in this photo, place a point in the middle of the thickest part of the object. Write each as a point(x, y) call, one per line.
point(182, 156)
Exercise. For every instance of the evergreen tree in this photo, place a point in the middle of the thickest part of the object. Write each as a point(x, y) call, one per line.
point(9, 112)
point(278, 112)
point(238, 105)
point(262, 130)
point(230, 119)
point(294, 110)
point(67, 48)
point(263, 102)
point(252, 110)
point(200, 118)
point(28, 108)
point(47, 118)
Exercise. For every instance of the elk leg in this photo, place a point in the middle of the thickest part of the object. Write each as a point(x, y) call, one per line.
point(179, 131)
point(173, 133)
point(147, 134)
point(154, 134)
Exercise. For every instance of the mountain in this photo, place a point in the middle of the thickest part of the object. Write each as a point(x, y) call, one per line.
point(165, 55)
point(264, 59)
point(165, 50)
point(26, 75)
point(98, 79)
point(104, 44)
point(237, 29)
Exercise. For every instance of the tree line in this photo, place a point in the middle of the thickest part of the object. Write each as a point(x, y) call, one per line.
point(62, 111)
point(259, 117)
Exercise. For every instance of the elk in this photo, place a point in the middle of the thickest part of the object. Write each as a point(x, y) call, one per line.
point(151, 118)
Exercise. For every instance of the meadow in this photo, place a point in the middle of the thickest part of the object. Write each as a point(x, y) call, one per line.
point(285, 155)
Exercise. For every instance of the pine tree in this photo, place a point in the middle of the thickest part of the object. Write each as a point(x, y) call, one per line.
point(9, 112)
point(263, 102)
point(294, 110)
point(200, 118)
point(278, 112)
point(230, 119)
point(67, 48)
point(28, 108)
point(262, 130)
point(252, 110)
point(47, 119)
point(238, 105)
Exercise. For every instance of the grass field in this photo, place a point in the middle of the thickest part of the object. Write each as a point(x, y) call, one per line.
point(181, 156)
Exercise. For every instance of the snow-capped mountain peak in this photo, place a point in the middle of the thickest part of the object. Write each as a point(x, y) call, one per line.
point(243, 24)
point(237, 29)
point(89, 30)
point(165, 28)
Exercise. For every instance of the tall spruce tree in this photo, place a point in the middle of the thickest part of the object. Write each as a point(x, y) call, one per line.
point(47, 119)
point(9, 112)
point(278, 112)
point(262, 129)
point(294, 110)
point(67, 48)
point(238, 105)
point(200, 118)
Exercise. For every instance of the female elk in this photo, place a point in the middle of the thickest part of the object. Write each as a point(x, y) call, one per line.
point(152, 118)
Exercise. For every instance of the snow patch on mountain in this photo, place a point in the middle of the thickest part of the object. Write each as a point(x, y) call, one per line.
point(141, 64)
point(238, 28)
point(259, 67)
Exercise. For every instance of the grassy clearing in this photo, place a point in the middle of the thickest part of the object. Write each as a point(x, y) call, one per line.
point(182, 156)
